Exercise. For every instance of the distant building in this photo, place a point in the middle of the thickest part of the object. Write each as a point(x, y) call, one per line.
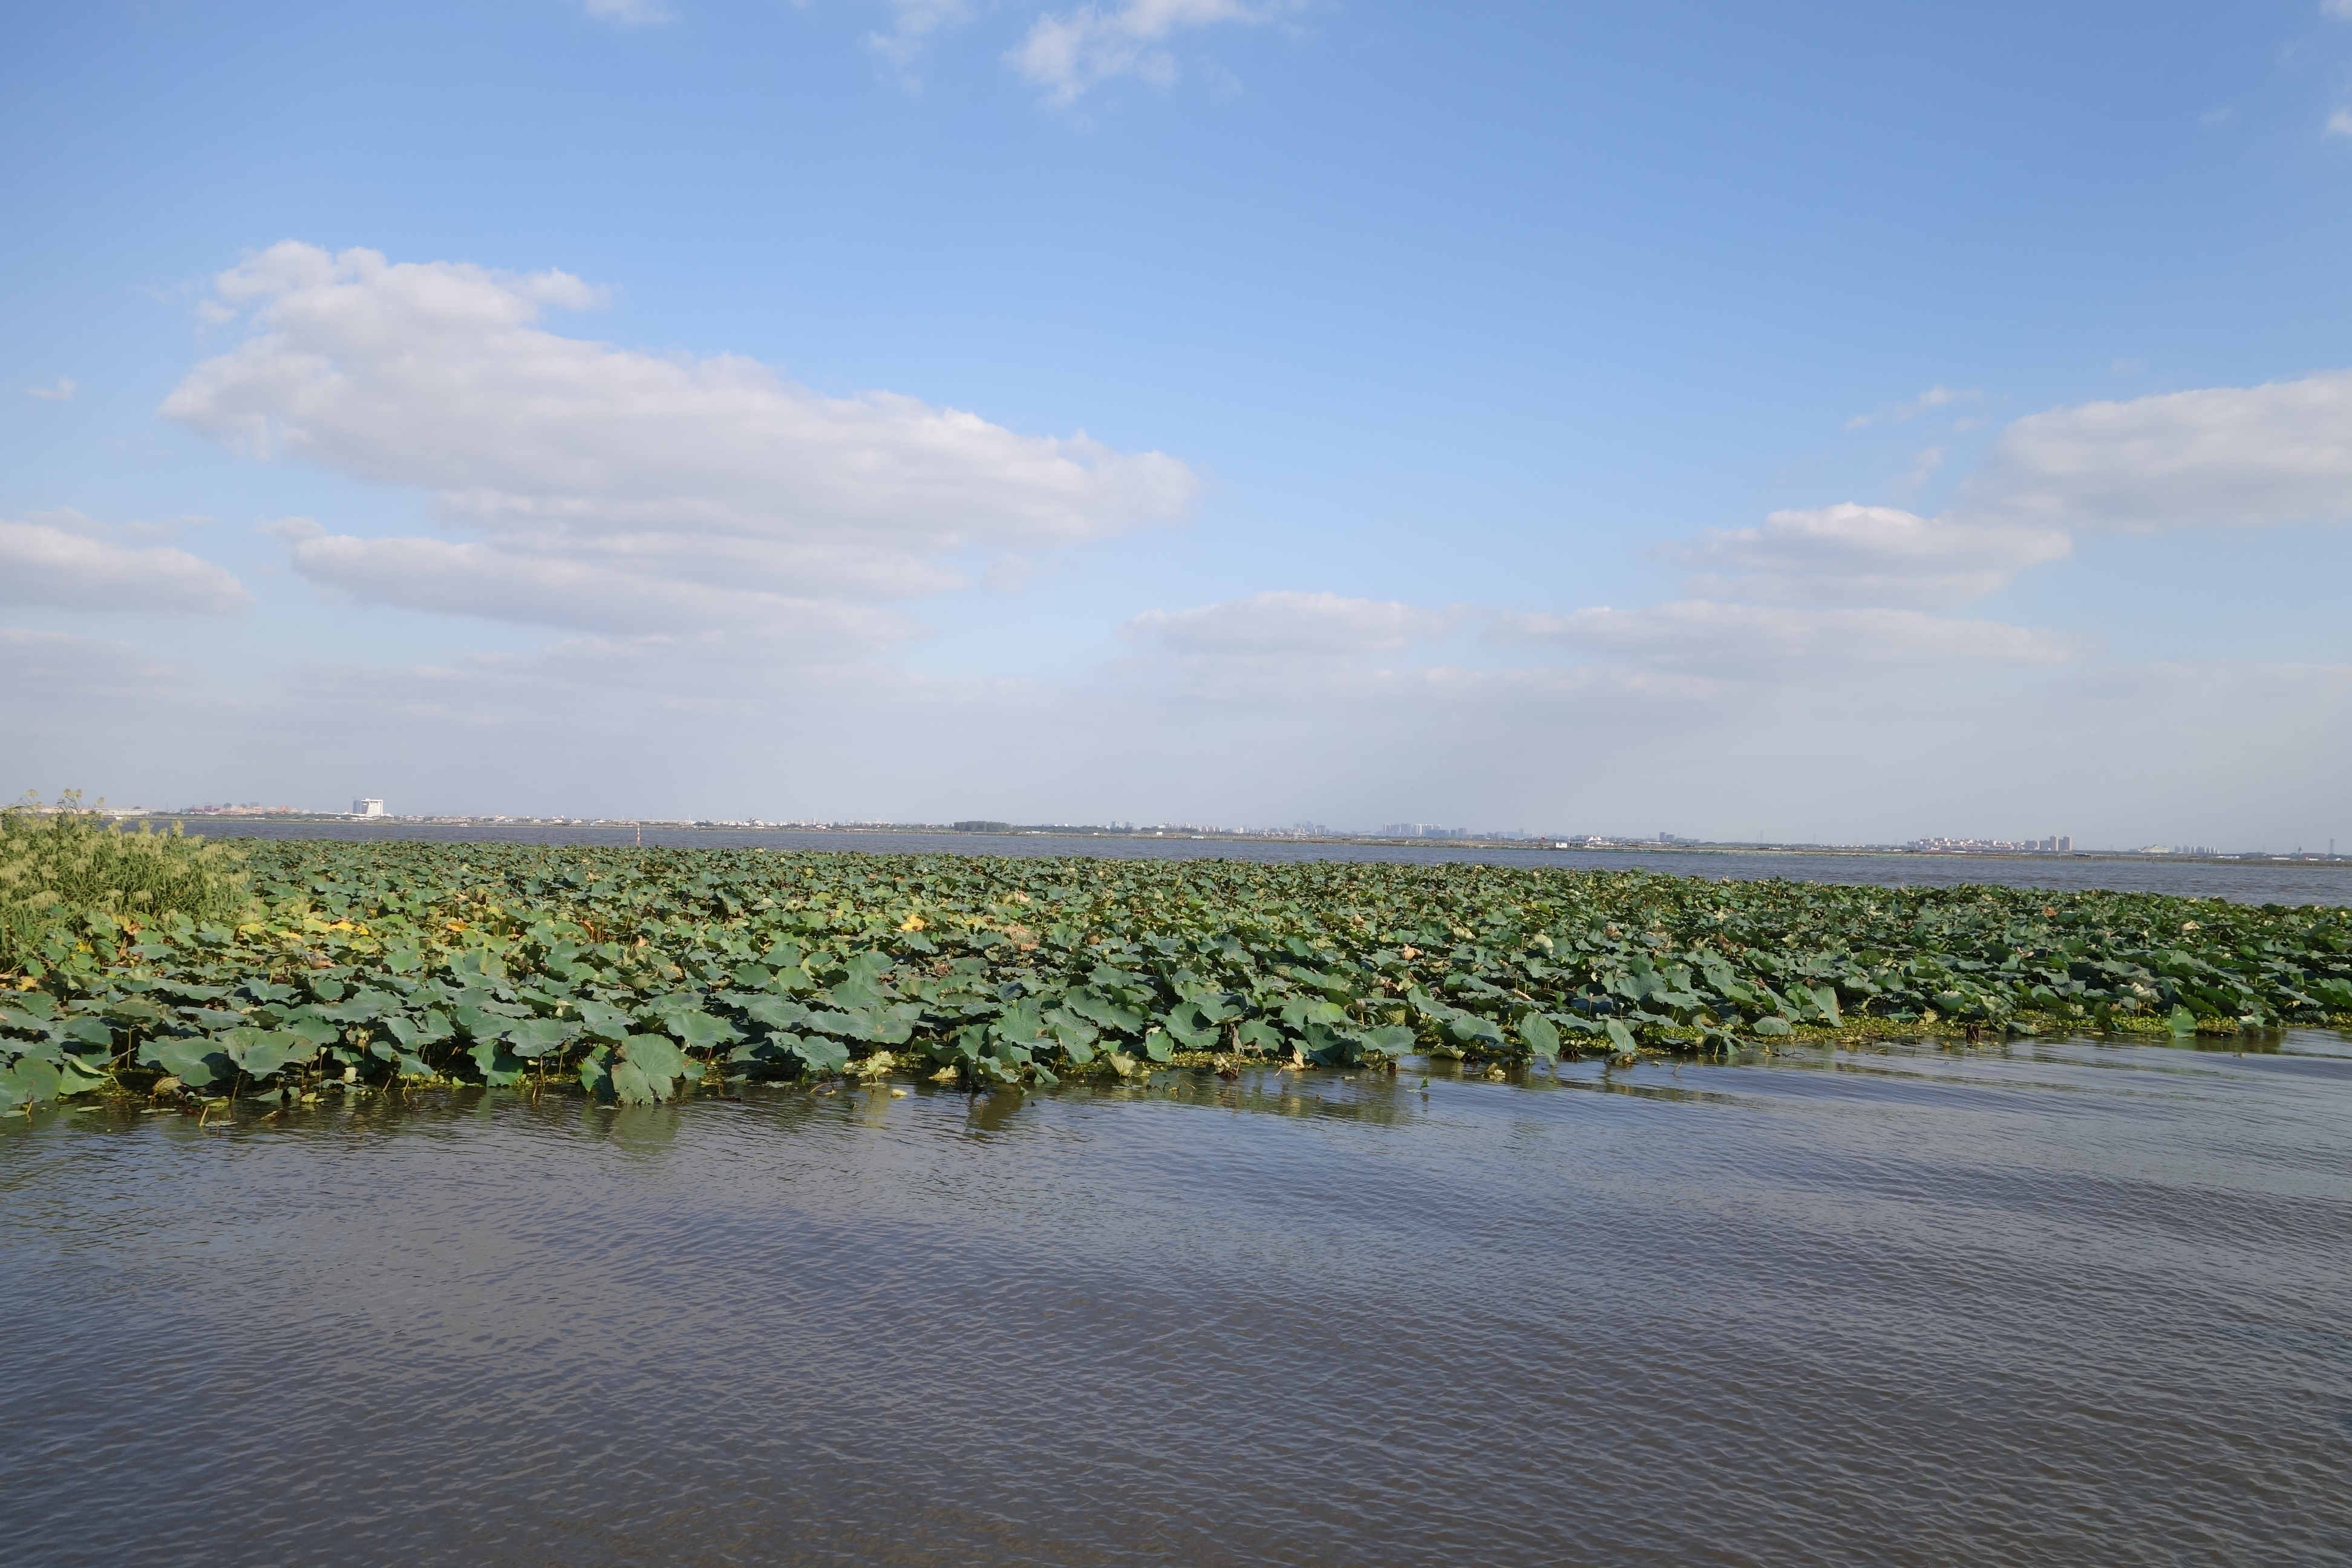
point(367, 806)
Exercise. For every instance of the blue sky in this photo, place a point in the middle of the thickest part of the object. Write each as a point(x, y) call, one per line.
point(1821, 421)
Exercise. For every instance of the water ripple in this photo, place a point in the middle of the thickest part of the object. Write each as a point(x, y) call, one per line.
point(2054, 1304)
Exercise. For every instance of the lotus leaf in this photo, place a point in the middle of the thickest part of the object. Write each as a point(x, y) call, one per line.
point(28, 1080)
point(559, 951)
point(1542, 1038)
point(699, 1031)
point(194, 1062)
point(633, 1086)
point(822, 1056)
point(536, 1037)
point(498, 1065)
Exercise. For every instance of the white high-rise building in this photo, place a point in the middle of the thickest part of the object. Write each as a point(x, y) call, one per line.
point(367, 807)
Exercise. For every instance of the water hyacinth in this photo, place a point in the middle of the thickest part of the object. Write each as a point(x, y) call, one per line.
point(638, 975)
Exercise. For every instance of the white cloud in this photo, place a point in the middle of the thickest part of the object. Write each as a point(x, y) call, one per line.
point(1290, 626)
point(1936, 396)
point(1854, 555)
point(479, 579)
point(627, 12)
point(80, 667)
point(1924, 464)
point(713, 473)
point(2340, 123)
point(1067, 54)
point(913, 23)
point(2281, 452)
point(2336, 8)
point(2276, 453)
point(1756, 642)
point(62, 560)
point(60, 391)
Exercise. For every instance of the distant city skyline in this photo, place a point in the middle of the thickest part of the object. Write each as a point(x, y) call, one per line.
point(373, 807)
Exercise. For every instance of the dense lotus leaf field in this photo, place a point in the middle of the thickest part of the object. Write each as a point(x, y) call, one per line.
point(639, 974)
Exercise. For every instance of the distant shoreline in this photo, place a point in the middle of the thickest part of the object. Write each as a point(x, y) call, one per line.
point(193, 822)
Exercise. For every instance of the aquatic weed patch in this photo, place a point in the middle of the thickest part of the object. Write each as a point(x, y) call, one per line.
point(639, 973)
point(59, 866)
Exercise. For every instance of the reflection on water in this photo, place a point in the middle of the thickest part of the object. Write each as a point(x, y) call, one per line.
point(2051, 1302)
point(2278, 881)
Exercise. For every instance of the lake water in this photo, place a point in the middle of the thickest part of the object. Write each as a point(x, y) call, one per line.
point(2046, 1303)
point(2281, 881)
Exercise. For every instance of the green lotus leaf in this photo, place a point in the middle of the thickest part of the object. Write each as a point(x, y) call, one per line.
point(257, 1053)
point(702, 1031)
point(536, 1037)
point(821, 1055)
point(498, 1065)
point(632, 1085)
point(654, 1055)
point(29, 1081)
point(1542, 1037)
point(602, 1020)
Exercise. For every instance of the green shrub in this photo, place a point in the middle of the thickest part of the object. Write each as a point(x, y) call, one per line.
point(59, 866)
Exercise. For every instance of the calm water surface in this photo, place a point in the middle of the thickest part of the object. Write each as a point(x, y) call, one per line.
point(2281, 881)
point(2043, 1304)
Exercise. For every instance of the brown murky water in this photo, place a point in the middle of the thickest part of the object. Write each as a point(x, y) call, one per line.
point(2045, 1304)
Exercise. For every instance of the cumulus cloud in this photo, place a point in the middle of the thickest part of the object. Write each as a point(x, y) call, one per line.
point(714, 473)
point(1069, 53)
point(1757, 641)
point(2279, 452)
point(64, 561)
point(59, 391)
point(1865, 555)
